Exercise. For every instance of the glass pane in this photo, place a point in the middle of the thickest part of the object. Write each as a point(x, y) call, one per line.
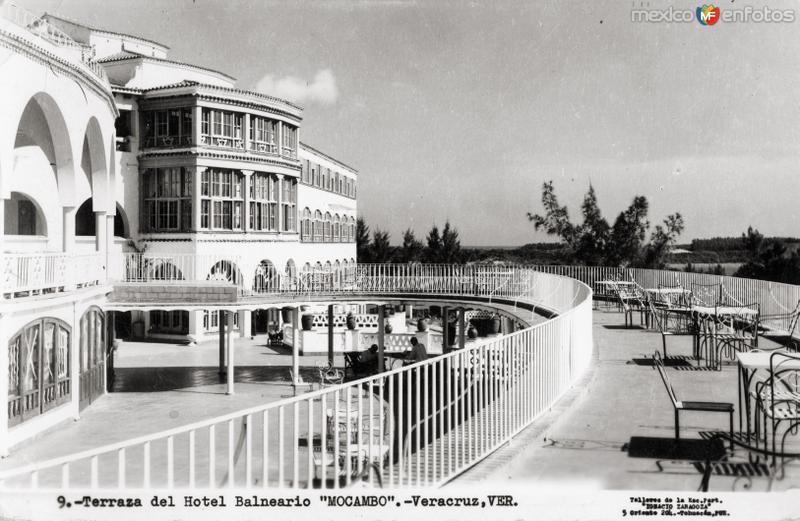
point(14, 351)
point(62, 365)
point(49, 354)
point(31, 343)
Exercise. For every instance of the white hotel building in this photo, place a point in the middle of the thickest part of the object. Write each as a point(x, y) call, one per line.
point(111, 154)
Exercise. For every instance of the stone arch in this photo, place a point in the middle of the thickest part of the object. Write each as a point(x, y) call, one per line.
point(227, 271)
point(42, 125)
point(121, 226)
point(164, 269)
point(95, 165)
point(24, 216)
point(266, 279)
point(86, 224)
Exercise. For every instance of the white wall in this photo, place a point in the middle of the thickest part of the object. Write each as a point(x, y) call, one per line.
point(143, 74)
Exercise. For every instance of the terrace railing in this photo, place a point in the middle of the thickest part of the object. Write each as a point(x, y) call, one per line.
point(40, 27)
point(773, 297)
point(24, 274)
point(420, 425)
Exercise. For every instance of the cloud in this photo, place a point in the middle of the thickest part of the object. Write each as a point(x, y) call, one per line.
point(322, 89)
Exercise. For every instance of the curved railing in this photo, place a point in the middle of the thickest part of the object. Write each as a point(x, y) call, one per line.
point(420, 425)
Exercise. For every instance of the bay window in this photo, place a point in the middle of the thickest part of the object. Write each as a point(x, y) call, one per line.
point(289, 204)
point(263, 135)
point(167, 200)
point(263, 202)
point(289, 141)
point(167, 127)
point(222, 128)
point(221, 200)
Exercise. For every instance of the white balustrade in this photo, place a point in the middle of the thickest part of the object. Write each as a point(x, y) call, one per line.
point(24, 274)
point(494, 387)
point(422, 424)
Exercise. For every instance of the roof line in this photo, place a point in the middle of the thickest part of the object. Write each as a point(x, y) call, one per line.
point(192, 83)
point(326, 156)
point(95, 29)
point(134, 56)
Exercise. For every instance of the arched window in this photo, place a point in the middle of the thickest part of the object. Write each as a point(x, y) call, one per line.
point(226, 271)
point(39, 369)
point(291, 269)
point(317, 226)
point(266, 279)
point(336, 236)
point(306, 226)
point(327, 229)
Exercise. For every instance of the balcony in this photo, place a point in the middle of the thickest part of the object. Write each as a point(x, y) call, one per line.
point(31, 274)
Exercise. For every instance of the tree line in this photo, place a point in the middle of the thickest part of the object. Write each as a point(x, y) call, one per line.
point(595, 242)
point(438, 247)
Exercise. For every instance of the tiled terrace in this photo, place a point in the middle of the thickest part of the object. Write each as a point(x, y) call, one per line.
point(584, 439)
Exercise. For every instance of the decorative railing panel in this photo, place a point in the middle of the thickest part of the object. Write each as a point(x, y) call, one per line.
point(24, 274)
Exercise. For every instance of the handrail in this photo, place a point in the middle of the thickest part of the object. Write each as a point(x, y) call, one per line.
point(558, 371)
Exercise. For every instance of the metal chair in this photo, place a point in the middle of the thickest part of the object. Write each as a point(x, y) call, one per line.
point(782, 328)
point(671, 323)
point(679, 406)
point(730, 331)
point(778, 400)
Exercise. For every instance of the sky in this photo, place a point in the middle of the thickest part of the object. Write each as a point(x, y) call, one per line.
point(460, 111)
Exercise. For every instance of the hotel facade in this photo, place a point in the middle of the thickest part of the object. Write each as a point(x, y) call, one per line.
point(118, 163)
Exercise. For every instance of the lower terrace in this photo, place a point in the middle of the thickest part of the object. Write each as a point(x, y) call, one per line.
point(585, 438)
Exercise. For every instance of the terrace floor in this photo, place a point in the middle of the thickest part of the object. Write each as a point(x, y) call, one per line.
point(584, 439)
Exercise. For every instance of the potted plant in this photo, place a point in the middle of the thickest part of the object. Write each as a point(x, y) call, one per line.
point(306, 321)
point(351, 321)
point(472, 332)
point(387, 328)
point(286, 315)
point(495, 325)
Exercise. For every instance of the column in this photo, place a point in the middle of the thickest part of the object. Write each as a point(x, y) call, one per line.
point(246, 132)
point(409, 311)
point(111, 338)
point(381, 335)
point(100, 231)
point(197, 124)
point(195, 319)
point(68, 235)
point(222, 319)
point(197, 180)
point(279, 198)
point(330, 335)
point(280, 138)
point(146, 322)
point(296, 345)
point(246, 194)
point(445, 330)
point(462, 329)
point(111, 255)
point(245, 323)
point(229, 342)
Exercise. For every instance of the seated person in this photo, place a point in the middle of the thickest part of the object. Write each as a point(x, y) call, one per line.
point(418, 352)
point(368, 360)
